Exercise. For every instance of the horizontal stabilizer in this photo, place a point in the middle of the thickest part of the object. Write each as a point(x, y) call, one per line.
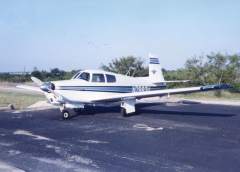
point(177, 81)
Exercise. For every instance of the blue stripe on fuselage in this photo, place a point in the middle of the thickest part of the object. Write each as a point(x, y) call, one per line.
point(113, 89)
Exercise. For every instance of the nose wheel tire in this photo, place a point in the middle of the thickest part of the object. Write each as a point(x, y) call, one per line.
point(65, 114)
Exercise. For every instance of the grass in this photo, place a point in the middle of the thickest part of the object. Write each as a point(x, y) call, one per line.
point(211, 95)
point(19, 100)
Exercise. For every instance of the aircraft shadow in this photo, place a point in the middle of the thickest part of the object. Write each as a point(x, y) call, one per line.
point(141, 111)
point(183, 113)
point(97, 110)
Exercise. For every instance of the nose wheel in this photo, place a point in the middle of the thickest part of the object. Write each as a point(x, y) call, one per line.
point(65, 114)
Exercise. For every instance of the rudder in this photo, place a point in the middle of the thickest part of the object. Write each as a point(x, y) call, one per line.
point(155, 70)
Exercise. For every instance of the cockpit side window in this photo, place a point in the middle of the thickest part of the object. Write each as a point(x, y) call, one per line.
point(97, 77)
point(110, 78)
point(84, 76)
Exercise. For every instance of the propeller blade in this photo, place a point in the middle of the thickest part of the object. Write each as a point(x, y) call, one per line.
point(49, 87)
point(36, 81)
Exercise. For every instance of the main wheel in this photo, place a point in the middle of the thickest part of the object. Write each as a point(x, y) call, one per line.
point(124, 112)
point(65, 114)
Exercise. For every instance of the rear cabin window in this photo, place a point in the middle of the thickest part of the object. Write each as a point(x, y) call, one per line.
point(97, 77)
point(85, 76)
point(110, 78)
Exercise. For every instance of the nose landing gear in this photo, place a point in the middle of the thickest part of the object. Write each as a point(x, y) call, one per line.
point(68, 110)
point(65, 114)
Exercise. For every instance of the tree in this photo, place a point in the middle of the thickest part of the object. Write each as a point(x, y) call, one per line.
point(215, 68)
point(57, 74)
point(127, 65)
point(196, 70)
point(233, 68)
point(36, 73)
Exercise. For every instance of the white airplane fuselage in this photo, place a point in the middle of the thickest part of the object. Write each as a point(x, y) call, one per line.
point(79, 90)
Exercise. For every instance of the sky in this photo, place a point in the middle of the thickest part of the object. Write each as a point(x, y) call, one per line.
point(83, 34)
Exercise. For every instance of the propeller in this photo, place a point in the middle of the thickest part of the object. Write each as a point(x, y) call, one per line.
point(36, 81)
point(47, 87)
point(44, 86)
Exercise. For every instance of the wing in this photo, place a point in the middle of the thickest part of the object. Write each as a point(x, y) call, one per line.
point(177, 81)
point(30, 88)
point(139, 95)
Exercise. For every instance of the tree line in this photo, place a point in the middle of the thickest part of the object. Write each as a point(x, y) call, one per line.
point(201, 70)
point(209, 69)
point(52, 75)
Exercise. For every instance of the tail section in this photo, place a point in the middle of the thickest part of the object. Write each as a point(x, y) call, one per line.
point(155, 70)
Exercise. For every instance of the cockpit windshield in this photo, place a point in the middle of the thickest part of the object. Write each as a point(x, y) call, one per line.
point(84, 76)
point(76, 75)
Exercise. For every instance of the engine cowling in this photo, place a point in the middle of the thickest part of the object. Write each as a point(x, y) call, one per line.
point(47, 87)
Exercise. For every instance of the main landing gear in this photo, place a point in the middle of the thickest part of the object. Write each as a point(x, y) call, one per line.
point(125, 114)
point(128, 107)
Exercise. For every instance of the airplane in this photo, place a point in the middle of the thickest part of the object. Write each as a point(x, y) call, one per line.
point(95, 87)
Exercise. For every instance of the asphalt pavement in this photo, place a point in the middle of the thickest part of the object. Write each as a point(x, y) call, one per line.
point(172, 137)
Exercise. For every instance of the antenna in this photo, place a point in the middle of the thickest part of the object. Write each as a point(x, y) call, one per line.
point(129, 70)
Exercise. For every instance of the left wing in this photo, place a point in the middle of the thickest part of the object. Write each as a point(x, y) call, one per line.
point(139, 95)
point(30, 88)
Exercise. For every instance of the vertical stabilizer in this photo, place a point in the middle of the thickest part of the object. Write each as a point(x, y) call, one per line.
point(155, 70)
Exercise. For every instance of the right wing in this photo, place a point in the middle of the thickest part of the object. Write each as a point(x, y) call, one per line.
point(139, 95)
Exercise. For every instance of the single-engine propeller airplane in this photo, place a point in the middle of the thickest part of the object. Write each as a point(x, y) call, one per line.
point(93, 87)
